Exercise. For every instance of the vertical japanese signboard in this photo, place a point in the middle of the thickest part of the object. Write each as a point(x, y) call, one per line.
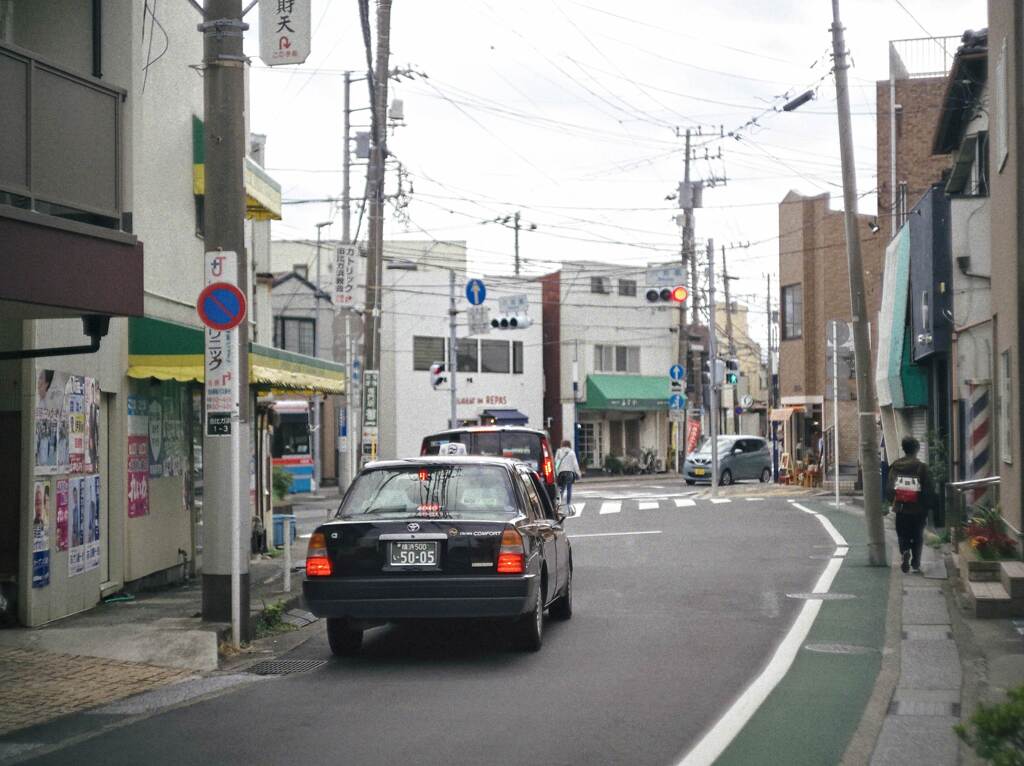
point(370, 422)
point(220, 366)
point(345, 277)
point(284, 31)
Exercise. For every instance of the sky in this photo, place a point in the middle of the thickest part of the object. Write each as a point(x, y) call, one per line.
point(572, 112)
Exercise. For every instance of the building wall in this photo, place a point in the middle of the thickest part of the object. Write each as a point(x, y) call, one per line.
point(416, 303)
point(1005, 20)
point(921, 102)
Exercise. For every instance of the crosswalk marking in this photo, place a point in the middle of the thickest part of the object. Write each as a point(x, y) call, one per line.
point(755, 499)
point(720, 500)
point(685, 502)
point(610, 507)
point(649, 505)
point(577, 509)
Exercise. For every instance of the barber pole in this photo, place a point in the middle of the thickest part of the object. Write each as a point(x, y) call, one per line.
point(978, 427)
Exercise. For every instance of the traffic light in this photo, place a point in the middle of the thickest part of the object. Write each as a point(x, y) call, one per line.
point(437, 376)
point(511, 322)
point(714, 372)
point(663, 295)
point(732, 375)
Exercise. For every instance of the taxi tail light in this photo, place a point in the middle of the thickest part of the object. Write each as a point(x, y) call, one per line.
point(512, 554)
point(547, 463)
point(317, 562)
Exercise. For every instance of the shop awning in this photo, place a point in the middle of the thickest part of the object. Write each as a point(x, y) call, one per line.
point(503, 417)
point(168, 351)
point(262, 193)
point(782, 414)
point(626, 393)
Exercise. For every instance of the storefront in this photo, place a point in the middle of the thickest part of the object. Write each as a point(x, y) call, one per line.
point(623, 416)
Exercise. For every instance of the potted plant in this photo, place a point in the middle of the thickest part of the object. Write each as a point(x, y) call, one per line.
point(985, 543)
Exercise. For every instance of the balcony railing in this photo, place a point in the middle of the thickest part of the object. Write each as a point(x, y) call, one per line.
point(60, 134)
point(922, 57)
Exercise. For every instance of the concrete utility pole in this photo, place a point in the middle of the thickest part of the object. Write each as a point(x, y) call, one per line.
point(728, 334)
point(515, 220)
point(683, 353)
point(226, 523)
point(375, 239)
point(768, 309)
point(713, 356)
point(866, 403)
point(346, 162)
point(453, 351)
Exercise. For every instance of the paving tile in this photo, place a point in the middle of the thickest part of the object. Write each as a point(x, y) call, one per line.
point(916, 741)
point(924, 606)
point(929, 664)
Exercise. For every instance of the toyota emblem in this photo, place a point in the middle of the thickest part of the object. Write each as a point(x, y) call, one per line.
point(413, 527)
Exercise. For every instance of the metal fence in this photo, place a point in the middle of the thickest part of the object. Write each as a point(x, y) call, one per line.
point(922, 56)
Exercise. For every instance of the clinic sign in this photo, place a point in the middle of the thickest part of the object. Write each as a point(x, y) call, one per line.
point(284, 31)
point(221, 352)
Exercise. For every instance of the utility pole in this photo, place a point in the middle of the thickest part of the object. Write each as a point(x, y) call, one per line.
point(772, 425)
point(227, 520)
point(375, 239)
point(729, 336)
point(866, 402)
point(515, 220)
point(683, 358)
point(453, 350)
point(346, 163)
point(713, 355)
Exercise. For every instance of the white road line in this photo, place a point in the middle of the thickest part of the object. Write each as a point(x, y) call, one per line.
point(617, 534)
point(720, 500)
point(755, 499)
point(611, 507)
point(649, 505)
point(718, 738)
point(305, 537)
point(577, 509)
point(683, 502)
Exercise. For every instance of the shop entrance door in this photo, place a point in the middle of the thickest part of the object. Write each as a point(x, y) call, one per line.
point(10, 501)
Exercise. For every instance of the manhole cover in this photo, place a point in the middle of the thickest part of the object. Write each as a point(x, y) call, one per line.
point(285, 667)
point(838, 649)
point(822, 596)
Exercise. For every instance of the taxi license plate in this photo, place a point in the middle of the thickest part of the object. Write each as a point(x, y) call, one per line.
point(698, 471)
point(413, 554)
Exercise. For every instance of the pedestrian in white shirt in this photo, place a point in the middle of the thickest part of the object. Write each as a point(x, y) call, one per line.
point(567, 470)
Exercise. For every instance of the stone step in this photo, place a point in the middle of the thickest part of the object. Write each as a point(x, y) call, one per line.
point(990, 600)
point(1012, 577)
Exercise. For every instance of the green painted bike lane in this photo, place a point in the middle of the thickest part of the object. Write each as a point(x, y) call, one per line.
point(810, 717)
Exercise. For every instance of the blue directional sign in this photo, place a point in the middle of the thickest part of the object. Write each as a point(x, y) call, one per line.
point(476, 292)
point(677, 372)
point(676, 402)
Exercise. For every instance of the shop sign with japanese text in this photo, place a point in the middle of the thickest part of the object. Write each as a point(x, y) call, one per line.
point(220, 364)
point(284, 31)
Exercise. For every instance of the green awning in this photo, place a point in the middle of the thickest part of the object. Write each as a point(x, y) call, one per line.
point(626, 393)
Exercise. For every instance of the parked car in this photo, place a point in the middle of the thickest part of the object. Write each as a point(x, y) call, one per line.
point(433, 537)
point(516, 442)
point(739, 457)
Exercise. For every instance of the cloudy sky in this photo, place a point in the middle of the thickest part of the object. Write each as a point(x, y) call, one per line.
point(568, 111)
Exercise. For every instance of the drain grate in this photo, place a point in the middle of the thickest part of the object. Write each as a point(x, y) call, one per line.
point(285, 667)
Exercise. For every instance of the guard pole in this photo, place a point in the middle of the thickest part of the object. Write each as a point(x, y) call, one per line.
point(286, 526)
point(835, 403)
point(713, 352)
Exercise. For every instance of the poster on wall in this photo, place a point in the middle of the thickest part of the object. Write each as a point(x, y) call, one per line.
point(138, 456)
point(67, 423)
point(62, 514)
point(84, 510)
point(41, 535)
point(167, 448)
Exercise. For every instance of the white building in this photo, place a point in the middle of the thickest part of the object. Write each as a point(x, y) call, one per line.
point(601, 335)
point(498, 371)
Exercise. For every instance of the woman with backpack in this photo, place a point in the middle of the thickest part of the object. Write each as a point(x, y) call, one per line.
point(567, 470)
point(910, 490)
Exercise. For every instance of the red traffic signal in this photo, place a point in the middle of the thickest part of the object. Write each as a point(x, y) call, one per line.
point(679, 294)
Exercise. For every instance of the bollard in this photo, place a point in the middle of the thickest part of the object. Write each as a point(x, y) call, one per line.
point(287, 529)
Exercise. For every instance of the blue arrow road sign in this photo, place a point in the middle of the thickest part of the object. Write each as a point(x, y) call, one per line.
point(677, 372)
point(676, 402)
point(476, 292)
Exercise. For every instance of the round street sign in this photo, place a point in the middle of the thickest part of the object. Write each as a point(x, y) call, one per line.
point(221, 306)
point(676, 402)
point(676, 372)
point(747, 400)
point(476, 292)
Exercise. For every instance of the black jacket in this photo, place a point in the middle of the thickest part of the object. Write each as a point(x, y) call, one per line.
point(911, 466)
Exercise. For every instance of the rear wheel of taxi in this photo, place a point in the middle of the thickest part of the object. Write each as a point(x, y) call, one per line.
point(343, 640)
point(562, 608)
point(529, 629)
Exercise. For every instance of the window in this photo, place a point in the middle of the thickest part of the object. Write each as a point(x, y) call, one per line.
point(468, 356)
point(587, 444)
point(425, 351)
point(200, 215)
point(517, 357)
point(627, 288)
point(979, 169)
point(901, 205)
point(1002, 137)
point(617, 358)
point(792, 312)
point(1005, 410)
point(494, 356)
point(298, 335)
point(600, 285)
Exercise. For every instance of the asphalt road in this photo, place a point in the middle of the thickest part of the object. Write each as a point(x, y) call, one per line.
point(677, 608)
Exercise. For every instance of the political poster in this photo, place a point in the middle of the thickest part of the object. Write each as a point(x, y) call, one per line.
point(74, 399)
point(138, 456)
point(51, 423)
point(62, 514)
point(91, 446)
point(41, 535)
point(84, 510)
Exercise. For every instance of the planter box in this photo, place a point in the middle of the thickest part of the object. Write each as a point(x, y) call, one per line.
point(975, 569)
